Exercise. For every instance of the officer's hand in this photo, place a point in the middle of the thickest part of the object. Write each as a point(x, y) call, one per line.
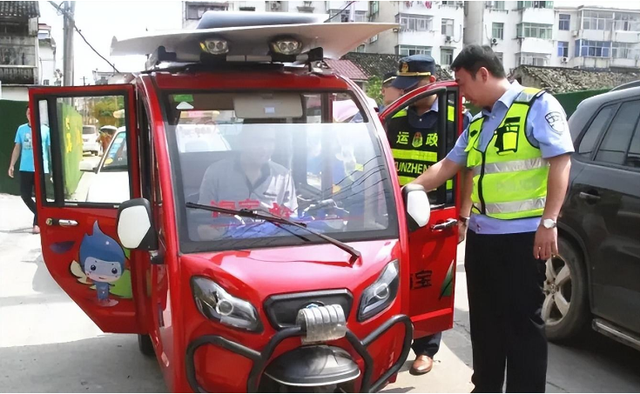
point(546, 243)
point(462, 231)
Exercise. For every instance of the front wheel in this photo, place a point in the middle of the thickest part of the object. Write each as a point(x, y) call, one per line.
point(566, 305)
point(145, 345)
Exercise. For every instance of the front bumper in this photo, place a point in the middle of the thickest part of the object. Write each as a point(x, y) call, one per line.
point(260, 359)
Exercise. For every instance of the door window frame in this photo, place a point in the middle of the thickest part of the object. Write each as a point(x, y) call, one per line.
point(442, 90)
point(56, 159)
point(596, 147)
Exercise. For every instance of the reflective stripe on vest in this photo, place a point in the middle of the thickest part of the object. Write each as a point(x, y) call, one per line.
point(510, 176)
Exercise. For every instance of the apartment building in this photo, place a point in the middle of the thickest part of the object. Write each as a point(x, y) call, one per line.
point(520, 32)
point(339, 10)
point(595, 37)
point(426, 27)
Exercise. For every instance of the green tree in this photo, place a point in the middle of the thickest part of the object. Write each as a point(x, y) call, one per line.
point(374, 89)
point(103, 109)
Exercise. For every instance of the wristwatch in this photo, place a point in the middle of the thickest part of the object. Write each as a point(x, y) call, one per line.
point(463, 219)
point(549, 223)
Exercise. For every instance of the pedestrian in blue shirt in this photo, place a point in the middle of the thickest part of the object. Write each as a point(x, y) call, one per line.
point(518, 151)
point(24, 149)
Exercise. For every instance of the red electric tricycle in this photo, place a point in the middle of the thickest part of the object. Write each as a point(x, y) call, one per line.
point(251, 240)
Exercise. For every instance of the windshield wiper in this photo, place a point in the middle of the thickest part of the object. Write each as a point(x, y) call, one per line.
point(355, 254)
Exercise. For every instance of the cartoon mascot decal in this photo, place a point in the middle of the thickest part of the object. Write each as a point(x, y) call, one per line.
point(102, 263)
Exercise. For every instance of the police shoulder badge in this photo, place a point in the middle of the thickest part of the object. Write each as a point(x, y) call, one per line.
point(556, 121)
point(404, 67)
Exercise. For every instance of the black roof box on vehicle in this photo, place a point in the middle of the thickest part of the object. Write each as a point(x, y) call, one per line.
point(222, 19)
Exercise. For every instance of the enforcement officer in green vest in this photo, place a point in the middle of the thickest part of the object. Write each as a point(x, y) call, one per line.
point(518, 151)
point(413, 136)
point(412, 132)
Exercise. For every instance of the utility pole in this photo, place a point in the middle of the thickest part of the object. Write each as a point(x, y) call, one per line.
point(67, 63)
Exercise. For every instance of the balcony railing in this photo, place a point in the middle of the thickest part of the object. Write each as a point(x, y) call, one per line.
point(20, 75)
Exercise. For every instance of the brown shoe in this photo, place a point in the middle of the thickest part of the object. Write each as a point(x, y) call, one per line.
point(421, 365)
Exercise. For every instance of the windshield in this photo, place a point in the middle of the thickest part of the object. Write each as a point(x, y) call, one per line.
point(116, 158)
point(88, 130)
point(284, 154)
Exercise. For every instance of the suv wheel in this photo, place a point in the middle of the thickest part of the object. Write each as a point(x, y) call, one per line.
point(565, 309)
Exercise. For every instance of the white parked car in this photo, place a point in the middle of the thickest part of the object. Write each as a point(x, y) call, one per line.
point(90, 139)
point(111, 182)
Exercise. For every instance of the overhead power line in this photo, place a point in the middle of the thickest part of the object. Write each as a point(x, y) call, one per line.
point(73, 22)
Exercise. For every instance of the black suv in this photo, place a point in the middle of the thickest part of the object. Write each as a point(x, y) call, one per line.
point(596, 278)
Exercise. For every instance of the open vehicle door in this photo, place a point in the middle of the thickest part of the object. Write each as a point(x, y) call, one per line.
point(432, 248)
point(79, 242)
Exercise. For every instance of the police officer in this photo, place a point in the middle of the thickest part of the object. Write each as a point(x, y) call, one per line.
point(413, 136)
point(518, 150)
point(412, 132)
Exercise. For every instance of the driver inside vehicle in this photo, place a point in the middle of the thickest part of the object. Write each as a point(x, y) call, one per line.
point(250, 180)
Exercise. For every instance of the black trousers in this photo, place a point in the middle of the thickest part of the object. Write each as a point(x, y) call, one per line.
point(27, 189)
point(504, 283)
point(427, 346)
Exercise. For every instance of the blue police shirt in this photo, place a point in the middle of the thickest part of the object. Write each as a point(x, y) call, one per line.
point(24, 138)
point(544, 130)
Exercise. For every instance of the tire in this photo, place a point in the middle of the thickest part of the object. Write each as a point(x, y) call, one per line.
point(565, 321)
point(145, 345)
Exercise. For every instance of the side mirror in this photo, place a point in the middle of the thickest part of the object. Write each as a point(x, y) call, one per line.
point(134, 225)
point(417, 204)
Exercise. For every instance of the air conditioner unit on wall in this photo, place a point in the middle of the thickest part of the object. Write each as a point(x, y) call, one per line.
point(574, 33)
point(565, 60)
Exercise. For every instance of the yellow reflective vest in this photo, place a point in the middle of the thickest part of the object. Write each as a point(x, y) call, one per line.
point(414, 150)
point(510, 175)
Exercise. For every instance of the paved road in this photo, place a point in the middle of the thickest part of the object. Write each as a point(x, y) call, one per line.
point(48, 344)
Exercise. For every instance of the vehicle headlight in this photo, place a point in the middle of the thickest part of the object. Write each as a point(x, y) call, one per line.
point(216, 304)
point(381, 293)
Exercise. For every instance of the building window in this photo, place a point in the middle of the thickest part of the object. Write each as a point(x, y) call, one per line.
point(247, 8)
point(446, 56)
point(360, 16)
point(196, 10)
point(534, 30)
point(408, 50)
point(373, 39)
point(500, 56)
point(532, 59)
point(597, 20)
point(496, 5)
point(535, 4)
point(497, 31)
point(374, 8)
point(565, 22)
point(622, 50)
point(415, 22)
point(586, 48)
point(563, 49)
point(447, 27)
point(449, 3)
point(626, 22)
